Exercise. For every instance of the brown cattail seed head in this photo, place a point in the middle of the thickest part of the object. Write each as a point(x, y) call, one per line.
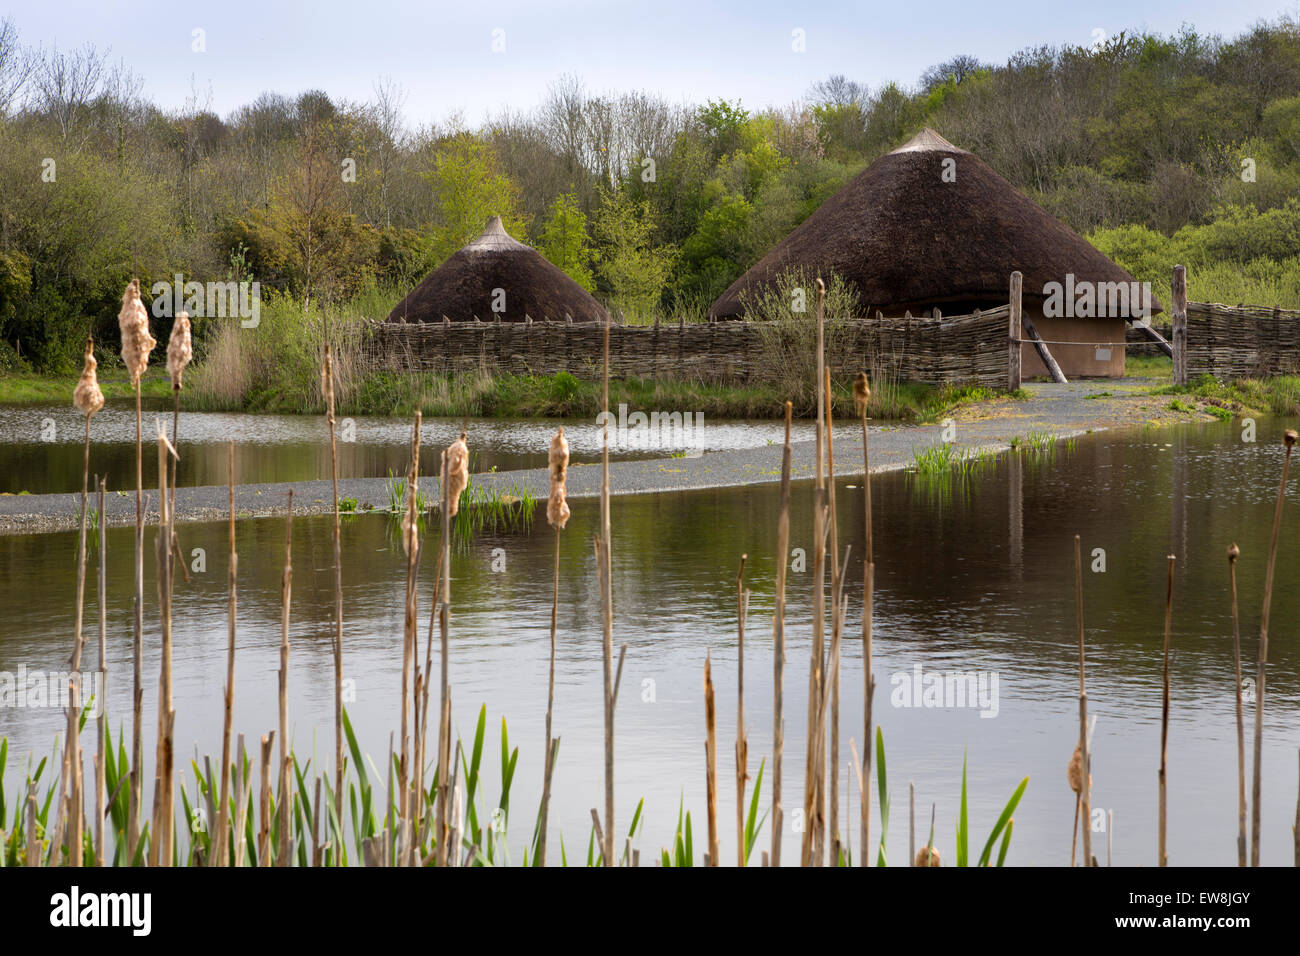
point(137, 343)
point(410, 518)
point(179, 349)
point(927, 856)
point(1075, 772)
point(456, 464)
point(1289, 437)
point(88, 398)
point(327, 381)
point(861, 391)
point(1233, 552)
point(557, 507)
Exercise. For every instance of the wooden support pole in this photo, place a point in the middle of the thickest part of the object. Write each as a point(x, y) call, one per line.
point(1044, 353)
point(1013, 336)
point(1179, 289)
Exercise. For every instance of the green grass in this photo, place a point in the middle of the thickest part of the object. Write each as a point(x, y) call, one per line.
point(31, 387)
point(945, 459)
point(1149, 366)
point(1224, 400)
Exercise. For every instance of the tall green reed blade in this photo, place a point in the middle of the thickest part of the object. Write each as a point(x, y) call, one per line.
point(631, 831)
point(962, 830)
point(882, 780)
point(1006, 842)
point(1003, 821)
point(754, 823)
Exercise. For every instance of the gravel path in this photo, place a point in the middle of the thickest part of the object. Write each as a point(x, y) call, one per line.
point(1060, 410)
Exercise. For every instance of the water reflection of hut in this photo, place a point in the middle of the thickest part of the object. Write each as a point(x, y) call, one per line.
point(931, 226)
point(497, 277)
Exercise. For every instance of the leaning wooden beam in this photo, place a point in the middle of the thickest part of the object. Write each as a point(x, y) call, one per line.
point(1032, 336)
point(1156, 337)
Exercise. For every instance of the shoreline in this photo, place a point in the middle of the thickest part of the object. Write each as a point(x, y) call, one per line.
point(985, 428)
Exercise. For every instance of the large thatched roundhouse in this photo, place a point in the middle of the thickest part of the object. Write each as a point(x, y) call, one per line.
point(497, 277)
point(932, 226)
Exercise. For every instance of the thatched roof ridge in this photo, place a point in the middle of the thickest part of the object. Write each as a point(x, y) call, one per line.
point(496, 267)
point(926, 225)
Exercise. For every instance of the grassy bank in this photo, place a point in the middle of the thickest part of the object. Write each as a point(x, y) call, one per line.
point(1274, 396)
point(485, 395)
point(1279, 395)
point(24, 387)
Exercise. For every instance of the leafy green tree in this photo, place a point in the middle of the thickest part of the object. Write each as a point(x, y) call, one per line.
point(631, 267)
point(469, 189)
point(564, 241)
point(723, 125)
point(715, 254)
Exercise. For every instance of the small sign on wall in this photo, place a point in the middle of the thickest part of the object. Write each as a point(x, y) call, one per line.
point(1103, 355)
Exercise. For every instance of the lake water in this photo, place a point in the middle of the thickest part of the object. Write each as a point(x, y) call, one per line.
point(972, 576)
point(41, 446)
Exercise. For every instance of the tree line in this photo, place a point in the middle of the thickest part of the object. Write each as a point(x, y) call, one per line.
point(1156, 146)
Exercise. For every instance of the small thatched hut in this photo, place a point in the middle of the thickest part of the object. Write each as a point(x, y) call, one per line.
point(497, 277)
point(930, 226)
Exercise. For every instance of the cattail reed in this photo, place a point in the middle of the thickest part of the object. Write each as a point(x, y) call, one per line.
point(422, 731)
point(457, 473)
point(286, 589)
point(1074, 776)
point(327, 392)
point(100, 766)
point(264, 804)
point(861, 401)
point(1295, 831)
point(813, 796)
point(778, 641)
point(163, 833)
point(1085, 763)
point(1289, 438)
point(179, 354)
point(711, 763)
point(455, 477)
point(88, 400)
point(137, 343)
point(605, 572)
point(1162, 855)
point(1233, 553)
point(557, 506)
point(837, 621)
point(742, 744)
point(411, 545)
point(223, 811)
point(557, 514)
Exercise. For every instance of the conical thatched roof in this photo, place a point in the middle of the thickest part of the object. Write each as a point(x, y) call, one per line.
point(905, 238)
point(465, 286)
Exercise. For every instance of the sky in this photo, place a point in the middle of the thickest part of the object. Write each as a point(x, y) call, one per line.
point(479, 57)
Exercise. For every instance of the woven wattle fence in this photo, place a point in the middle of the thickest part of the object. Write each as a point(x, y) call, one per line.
point(934, 351)
point(1241, 342)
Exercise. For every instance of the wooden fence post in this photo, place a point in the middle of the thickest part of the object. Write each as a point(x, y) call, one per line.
point(1179, 289)
point(1014, 333)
